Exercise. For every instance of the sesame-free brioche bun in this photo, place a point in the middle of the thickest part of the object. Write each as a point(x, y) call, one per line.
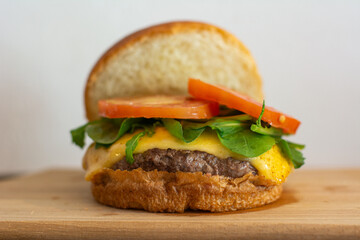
point(161, 58)
point(159, 191)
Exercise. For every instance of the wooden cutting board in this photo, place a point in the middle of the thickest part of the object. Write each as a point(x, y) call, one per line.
point(57, 204)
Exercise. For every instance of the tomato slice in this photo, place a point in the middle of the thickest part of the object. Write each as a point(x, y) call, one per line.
point(181, 107)
point(235, 100)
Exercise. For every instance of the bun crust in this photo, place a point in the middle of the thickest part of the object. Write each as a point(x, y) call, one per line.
point(160, 59)
point(157, 191)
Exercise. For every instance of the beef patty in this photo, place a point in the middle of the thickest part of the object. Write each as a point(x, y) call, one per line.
point(172, 160)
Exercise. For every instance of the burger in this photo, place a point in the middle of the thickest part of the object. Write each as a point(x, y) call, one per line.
point(178, 121)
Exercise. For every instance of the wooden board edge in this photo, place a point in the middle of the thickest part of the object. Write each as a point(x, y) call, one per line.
point(166, 230)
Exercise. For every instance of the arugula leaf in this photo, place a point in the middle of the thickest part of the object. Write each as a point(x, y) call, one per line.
point(147, 125)
point(188, 133)
point(227, 127)
point(239, 134)
point(233, 134)
point(270, 131)
point(288, 148)
point(258, 121)
point(247, 143)
point(296, 145)
point(108, 131)
point(78, 135)
point(131, 145)
point(99, 145)
point(291, 152)
point(241, 118)
point(150, 130)
point(103, 132)
point(236, 136)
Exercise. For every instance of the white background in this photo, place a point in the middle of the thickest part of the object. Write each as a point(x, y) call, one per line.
point(307, 53)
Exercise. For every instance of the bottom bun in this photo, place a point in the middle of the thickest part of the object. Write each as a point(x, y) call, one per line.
point(158, 191)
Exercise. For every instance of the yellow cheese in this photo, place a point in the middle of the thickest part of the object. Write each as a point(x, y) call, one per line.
point(272, 164)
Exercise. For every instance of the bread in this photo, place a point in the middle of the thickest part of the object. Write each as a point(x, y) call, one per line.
point(160, 59)
point(174, 192)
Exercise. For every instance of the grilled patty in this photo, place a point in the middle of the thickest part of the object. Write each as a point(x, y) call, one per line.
point(172, 160)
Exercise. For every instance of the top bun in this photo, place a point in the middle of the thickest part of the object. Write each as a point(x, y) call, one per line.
point(161, 58)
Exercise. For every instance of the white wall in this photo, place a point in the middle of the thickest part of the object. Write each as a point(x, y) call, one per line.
point(307, 52)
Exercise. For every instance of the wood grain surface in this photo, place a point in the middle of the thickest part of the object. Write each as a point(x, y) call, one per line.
point(57, 204)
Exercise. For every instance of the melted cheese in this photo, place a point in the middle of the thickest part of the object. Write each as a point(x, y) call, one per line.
point(272, 164)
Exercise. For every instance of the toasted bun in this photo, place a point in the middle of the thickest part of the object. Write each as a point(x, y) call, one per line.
point(160, 59)
point(157, 191)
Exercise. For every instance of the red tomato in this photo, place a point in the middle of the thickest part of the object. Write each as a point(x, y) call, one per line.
point(235, 100)
point(158, 107)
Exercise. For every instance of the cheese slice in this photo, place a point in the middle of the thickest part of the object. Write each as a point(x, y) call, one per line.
point(272, 164)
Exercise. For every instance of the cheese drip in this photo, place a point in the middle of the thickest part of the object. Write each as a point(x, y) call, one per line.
point(272, 164)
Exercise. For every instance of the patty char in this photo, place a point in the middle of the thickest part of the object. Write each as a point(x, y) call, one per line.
point(172, 160)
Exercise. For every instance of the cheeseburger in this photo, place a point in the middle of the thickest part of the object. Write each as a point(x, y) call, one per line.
point(178, 120)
